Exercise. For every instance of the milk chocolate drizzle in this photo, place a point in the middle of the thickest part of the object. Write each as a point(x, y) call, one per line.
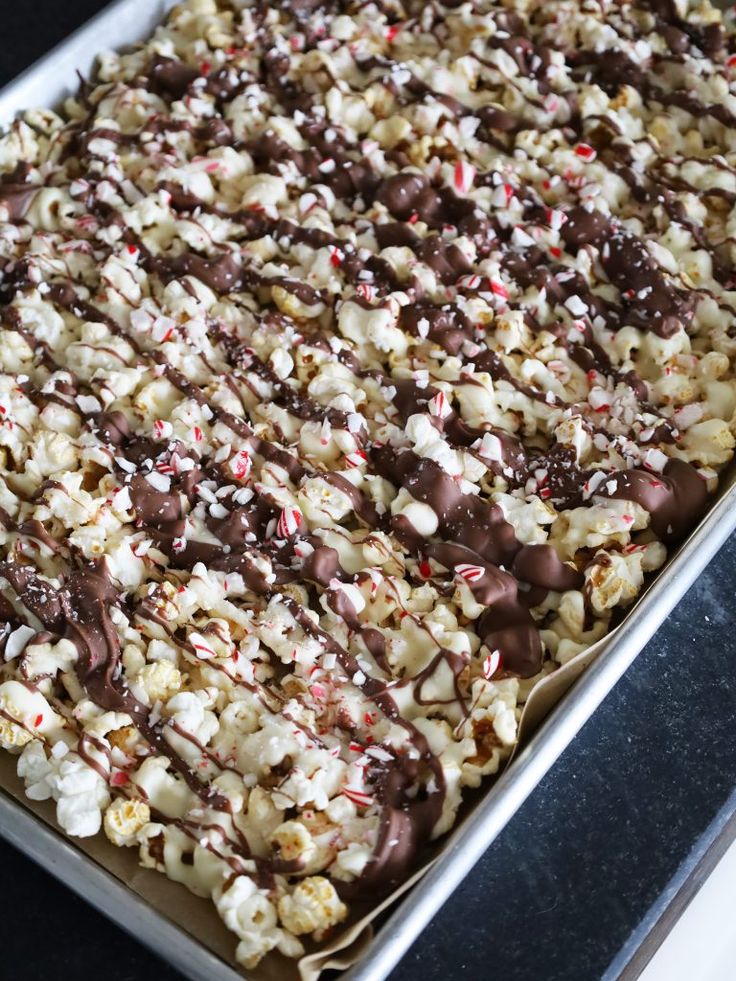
point(514, 577)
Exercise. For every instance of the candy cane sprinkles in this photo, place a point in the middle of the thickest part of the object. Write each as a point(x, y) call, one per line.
point(492, 664)
point(464, 176)
point(470, 573)
point(357, 458)
point(498, 289)
point(359, 797)
point(439, 406)
point(241, 465)
point(358, 369)
point(289, 522)
point(587, 153)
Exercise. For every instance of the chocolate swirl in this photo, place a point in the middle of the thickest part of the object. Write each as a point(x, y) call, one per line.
point(478, 387)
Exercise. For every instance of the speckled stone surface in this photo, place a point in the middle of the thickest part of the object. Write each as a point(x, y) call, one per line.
point(559, 892)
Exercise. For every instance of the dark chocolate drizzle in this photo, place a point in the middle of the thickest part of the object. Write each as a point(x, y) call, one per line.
point(514, 577)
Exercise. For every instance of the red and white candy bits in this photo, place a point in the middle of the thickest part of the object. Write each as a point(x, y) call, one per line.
point(365, 370)
point(289, 523)
point(241, 465)
point(468, 572)
point(492, 664)
point(464, 176)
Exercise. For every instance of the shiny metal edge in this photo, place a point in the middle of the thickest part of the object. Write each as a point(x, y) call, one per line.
point(53, 77)
point(128, 21)
point(58, 856)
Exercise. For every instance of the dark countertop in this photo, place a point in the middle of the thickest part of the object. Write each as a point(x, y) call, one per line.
point(576, 870)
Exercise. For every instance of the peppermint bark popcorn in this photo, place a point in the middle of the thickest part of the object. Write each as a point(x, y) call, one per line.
point(358, 363)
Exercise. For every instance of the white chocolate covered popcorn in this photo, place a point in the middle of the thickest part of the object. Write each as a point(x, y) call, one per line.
point(359, 364)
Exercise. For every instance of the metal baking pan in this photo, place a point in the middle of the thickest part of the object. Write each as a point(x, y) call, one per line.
point(48, 83)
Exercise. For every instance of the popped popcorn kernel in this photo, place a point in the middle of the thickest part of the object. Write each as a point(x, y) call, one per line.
point(313, 907)
point(124, 819)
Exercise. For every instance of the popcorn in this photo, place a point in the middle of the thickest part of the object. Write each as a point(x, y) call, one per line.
point(159, 680)
point(293, 841)
point(612, 581)
point(124, 819)
point(12, 736)
point(347, 424)
point(253, 918)
point(79, 791)
point(377, 326)
point(708, 443)
point(313, 907)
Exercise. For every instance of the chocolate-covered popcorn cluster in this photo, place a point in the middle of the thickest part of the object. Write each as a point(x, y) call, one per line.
point(359, 360)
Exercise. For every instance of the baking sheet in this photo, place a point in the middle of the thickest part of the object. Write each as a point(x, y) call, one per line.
point(155, 909)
